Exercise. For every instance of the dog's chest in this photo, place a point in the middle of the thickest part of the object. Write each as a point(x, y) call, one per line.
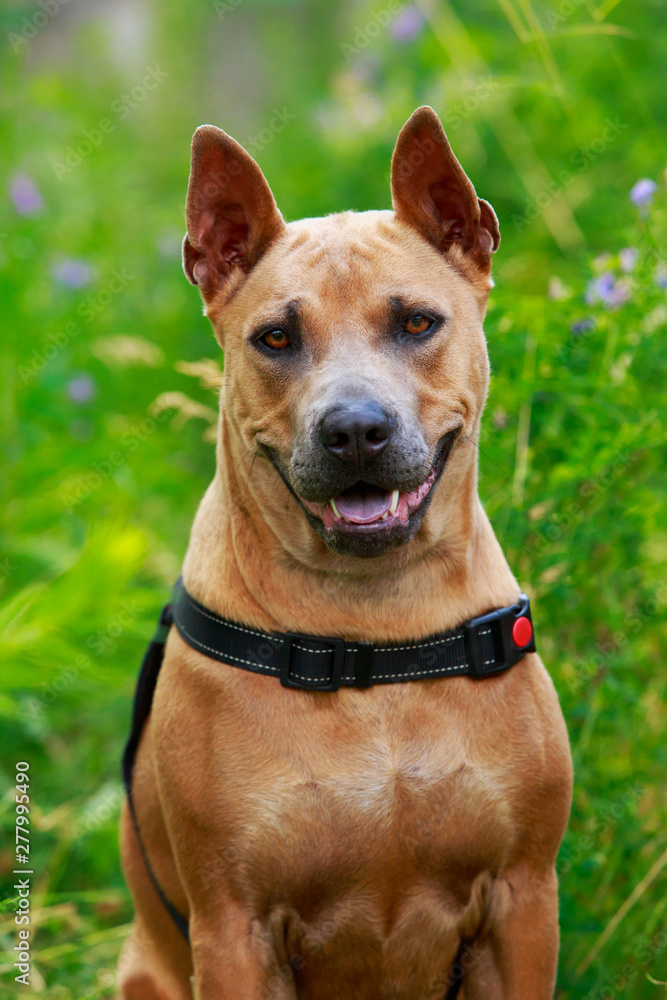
point(307, 799)
point(386, 811)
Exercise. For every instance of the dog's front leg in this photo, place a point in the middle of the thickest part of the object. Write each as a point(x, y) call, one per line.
point(516, 955)
point(234, 958)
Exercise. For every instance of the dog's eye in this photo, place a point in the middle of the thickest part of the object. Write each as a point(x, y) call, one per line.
point(276, 339)
point(419, 323)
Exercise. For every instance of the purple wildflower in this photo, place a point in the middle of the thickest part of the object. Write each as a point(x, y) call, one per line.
point(607, 290)
point(582, 326)
point(619, 294)
point(642, 193)
point(661, 276)
point(600, 288)
point(72, 273)
point(407, 24)
point(628, 258)
point(25, 195)
point(81, 389)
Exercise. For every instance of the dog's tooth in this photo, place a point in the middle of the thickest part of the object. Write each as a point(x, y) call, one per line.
point(385, 516)
point(394, 501)
point(335, 509)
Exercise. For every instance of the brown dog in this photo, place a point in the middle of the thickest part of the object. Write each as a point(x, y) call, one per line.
point(343, 845)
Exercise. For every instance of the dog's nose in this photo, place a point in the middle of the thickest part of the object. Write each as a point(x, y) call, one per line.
point(356, 433)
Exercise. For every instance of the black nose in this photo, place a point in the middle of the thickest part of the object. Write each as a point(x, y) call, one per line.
point(356, 433)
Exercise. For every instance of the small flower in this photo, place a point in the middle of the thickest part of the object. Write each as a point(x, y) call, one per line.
point(582, 326)
point(72, 273)
point(661, 276)
point(25, 195)
point(643, 191)
point(600, 288)
point(81, 389)
point(607, 290)
point(407, 25)
point(628, 258)
point(619, 294)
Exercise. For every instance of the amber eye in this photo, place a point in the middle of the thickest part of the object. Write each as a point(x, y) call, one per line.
point(418, 324)
point(276, 339)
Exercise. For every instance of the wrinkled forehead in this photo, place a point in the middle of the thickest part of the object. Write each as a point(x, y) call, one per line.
point(349, 264)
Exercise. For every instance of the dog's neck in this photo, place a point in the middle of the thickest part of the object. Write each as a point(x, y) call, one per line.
point(253, 558)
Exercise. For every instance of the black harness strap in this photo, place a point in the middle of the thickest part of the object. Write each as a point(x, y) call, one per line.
point(480, 647)
point(143, 701)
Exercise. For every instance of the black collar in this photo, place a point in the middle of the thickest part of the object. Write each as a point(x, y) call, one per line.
point(479, 647)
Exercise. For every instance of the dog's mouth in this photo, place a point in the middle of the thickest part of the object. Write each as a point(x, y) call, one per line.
point(366, 506)
point(365, 519)
point(367, 509)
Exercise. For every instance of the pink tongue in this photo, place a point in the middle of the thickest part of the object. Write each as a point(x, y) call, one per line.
point(362, 504)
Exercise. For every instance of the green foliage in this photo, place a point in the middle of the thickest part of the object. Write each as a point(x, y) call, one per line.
point(103, 482)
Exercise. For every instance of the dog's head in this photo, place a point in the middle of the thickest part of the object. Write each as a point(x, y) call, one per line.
point(355, 362)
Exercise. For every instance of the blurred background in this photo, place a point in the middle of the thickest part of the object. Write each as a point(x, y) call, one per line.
point(556, 109)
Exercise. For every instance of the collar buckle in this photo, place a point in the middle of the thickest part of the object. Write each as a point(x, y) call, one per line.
point(490, 643)
point(286, 678)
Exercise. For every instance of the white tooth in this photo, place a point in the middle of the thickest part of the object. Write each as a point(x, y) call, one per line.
point(335, 509)
point(394, 502)
point(385, 516)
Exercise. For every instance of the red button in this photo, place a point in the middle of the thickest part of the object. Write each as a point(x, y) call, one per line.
point(522, 632)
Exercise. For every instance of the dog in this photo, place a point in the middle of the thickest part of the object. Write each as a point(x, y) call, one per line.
point(394, 841)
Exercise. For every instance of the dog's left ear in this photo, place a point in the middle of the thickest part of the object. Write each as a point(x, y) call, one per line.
point(431, 192)
point(231, 214)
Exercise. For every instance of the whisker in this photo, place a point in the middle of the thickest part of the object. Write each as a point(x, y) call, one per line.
point(487, 457)
point(237, 467)
point(250, 472)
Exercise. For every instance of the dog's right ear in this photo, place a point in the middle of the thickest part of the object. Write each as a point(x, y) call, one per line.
point(231, 214)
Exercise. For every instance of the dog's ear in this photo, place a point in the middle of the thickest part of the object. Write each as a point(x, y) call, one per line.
point(431, 192)
point(231, 214)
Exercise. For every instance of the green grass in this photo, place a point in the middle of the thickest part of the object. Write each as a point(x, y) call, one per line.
point(98, 494)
